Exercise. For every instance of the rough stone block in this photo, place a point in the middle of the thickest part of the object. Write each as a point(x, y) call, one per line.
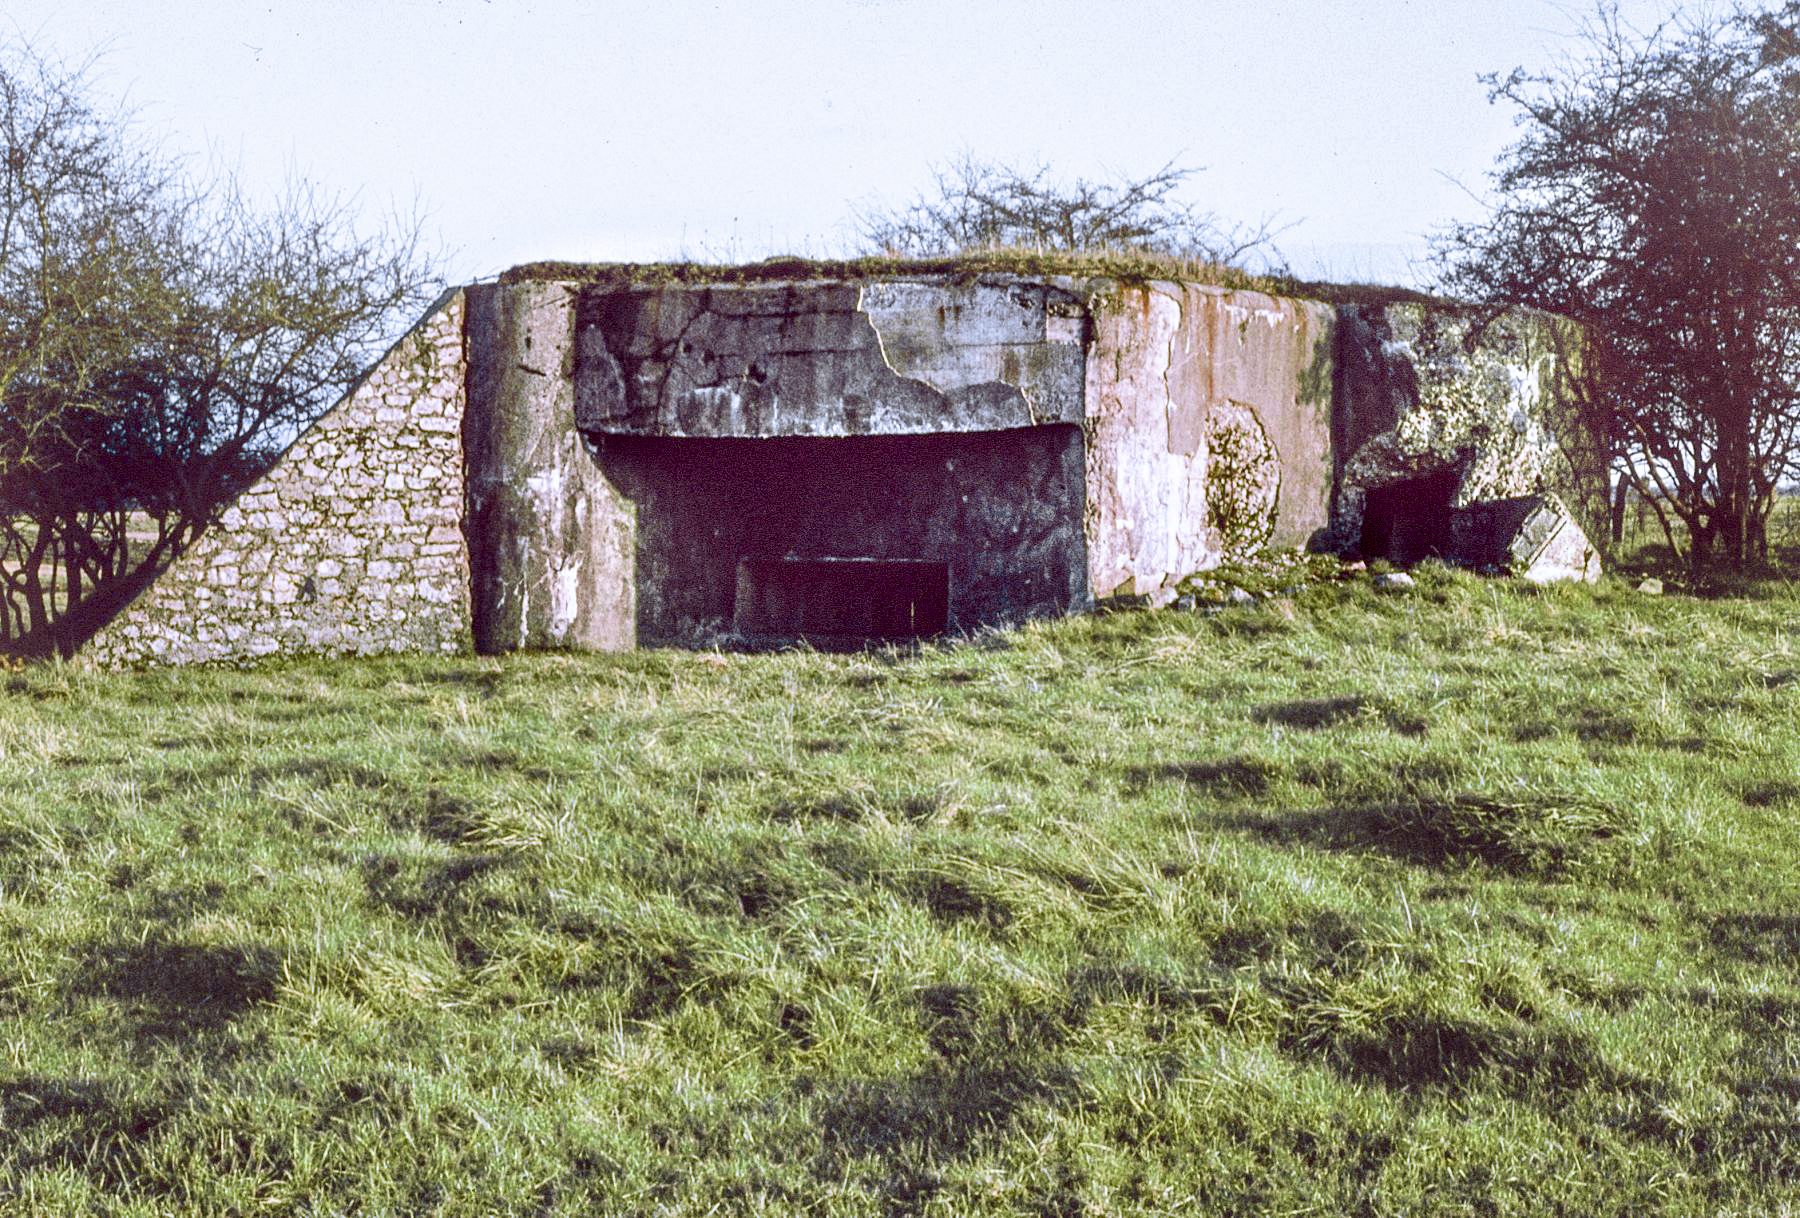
point(1535, 536)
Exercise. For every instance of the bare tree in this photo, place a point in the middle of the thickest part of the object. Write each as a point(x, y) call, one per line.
point(978, 204)
point(160, 338)
point(1655, 197)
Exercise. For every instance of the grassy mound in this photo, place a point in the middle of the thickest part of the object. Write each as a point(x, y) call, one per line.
point(1126, 266)
point(1474, 899)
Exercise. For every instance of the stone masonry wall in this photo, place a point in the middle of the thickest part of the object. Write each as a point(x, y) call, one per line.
point(351, 545)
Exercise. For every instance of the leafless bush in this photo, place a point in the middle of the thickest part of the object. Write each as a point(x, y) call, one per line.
point(977, 204)
point(160, 339)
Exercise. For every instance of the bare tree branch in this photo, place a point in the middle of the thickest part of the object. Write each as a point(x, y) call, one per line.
point(1654, 195)
point(160, 339)
point(977, 204)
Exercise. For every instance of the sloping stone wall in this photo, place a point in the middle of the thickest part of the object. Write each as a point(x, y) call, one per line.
point(351, 545)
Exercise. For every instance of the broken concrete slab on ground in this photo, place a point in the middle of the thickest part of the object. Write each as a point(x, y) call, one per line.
point(868, 452)
point(1533, 536)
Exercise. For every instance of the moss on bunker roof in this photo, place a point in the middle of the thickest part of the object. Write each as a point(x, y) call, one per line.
point(1124, 268)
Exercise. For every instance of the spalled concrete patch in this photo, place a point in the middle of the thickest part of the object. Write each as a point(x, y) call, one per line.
point(828, 359)
point(1444, 399)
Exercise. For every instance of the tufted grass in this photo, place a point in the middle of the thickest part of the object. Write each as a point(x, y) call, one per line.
point(1472, 899)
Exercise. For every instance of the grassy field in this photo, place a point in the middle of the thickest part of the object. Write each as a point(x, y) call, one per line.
point(1467, 899)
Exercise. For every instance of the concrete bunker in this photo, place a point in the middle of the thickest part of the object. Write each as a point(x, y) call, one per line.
point(601, 457)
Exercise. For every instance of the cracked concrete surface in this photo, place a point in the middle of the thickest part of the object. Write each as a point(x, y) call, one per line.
point(550, 540)
point(829, 359)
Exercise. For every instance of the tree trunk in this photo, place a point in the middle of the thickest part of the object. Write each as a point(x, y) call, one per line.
point(1700, 539)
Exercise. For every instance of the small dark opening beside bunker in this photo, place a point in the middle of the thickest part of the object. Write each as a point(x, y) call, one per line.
point(1406, 521)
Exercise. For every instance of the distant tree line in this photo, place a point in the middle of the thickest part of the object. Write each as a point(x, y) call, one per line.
point(161, 337)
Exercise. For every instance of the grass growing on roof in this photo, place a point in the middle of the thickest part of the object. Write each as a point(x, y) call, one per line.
point(1126, 265)
point(1474, 898)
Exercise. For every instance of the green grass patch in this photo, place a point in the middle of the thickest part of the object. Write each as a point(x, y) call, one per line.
point(1474, 898)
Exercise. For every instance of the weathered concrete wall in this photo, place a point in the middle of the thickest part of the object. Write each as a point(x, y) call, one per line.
point(1263, 368)
point(353, 544)
point(1145, 520)
point(1209, 430)
point(1444, 396)
point(551, 542)
point(884, 420)
point(829, 358)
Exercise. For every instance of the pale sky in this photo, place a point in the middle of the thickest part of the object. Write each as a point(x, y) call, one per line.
point(610, 131)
